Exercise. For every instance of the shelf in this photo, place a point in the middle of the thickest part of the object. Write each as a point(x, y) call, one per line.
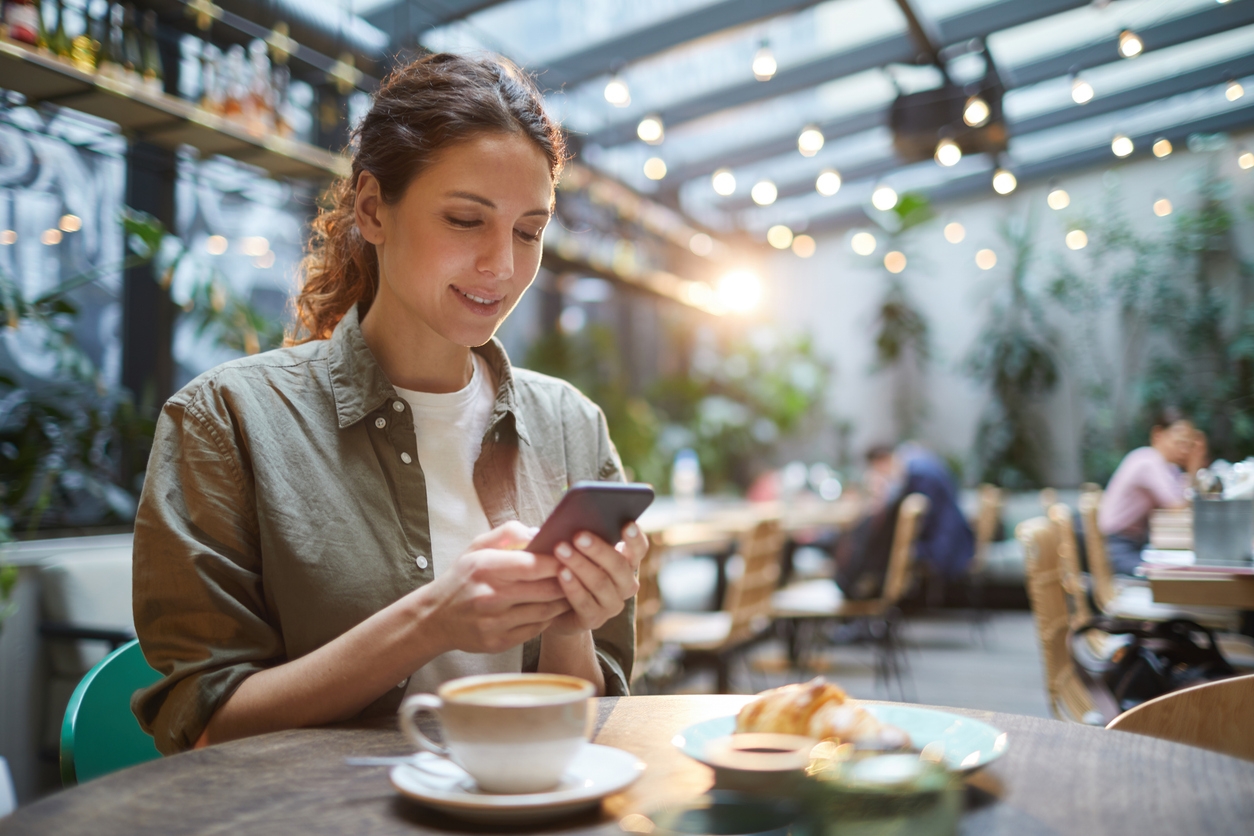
point(158, 118)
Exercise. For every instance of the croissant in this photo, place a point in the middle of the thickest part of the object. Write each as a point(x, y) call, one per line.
point(820, 710)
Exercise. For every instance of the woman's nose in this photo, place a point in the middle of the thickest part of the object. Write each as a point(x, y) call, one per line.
point(497, 256)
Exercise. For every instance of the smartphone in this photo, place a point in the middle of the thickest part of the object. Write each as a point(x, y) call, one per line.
point(602, 508)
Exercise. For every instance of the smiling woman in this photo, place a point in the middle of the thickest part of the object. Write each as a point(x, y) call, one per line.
point(322, 522)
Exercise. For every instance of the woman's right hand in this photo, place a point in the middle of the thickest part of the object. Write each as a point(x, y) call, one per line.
point(495, 596)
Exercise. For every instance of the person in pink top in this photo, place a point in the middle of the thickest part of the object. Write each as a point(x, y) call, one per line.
point(1148, 478)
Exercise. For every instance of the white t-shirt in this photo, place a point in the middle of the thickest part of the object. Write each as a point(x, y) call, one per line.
point(449, 428)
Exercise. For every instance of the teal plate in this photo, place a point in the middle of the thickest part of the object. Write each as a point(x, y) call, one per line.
point(967, 744)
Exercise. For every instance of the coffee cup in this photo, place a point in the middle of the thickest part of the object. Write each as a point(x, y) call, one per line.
point(512, 732)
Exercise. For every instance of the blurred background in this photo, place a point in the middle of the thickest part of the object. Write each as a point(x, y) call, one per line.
point(1004, 233)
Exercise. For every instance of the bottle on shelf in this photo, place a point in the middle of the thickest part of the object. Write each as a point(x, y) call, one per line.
point(85, 49)
point(23, 20)
point(259, 108)
point(153, 71)
point(281, 78)
point(235, 82)
point(212, 95)
point(132, 56)
point(59, 42)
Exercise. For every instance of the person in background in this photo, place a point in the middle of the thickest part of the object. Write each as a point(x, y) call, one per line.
point(1148, 478)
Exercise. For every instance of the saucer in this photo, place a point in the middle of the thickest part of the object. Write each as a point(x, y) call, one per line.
point(597, 771)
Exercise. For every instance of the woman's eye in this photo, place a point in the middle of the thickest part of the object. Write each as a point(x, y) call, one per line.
point(465, 223)
point(534, 237)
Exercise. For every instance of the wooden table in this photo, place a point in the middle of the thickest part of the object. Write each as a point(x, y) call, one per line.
point(1203, 586)
point(1055, 778)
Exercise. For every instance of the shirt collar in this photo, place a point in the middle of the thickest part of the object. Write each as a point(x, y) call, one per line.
point(361, 387)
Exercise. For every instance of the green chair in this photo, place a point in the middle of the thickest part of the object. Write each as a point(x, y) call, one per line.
point(99, 734)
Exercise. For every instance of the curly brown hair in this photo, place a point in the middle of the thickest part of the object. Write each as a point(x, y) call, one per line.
point(421, 108)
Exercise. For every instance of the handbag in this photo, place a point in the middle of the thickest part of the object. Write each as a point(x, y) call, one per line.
point(1158, 658)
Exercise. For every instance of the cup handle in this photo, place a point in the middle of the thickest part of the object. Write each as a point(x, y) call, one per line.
point(410, 709)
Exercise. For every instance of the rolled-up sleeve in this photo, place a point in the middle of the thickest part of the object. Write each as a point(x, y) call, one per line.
point(199, 604)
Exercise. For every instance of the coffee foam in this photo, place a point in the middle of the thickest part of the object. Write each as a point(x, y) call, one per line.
point(516, 694)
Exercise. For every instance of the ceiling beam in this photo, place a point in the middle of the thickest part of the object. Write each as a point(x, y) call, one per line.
point(982, 21)
point(406, 20)
point(1210, 21)
point(600, 58)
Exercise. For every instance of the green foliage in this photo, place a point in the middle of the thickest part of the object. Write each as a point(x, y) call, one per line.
point(901, 328)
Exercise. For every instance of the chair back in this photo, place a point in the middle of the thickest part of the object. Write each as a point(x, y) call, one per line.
point(748, 596)
point(1102, 576)
point(901, 558)
point(986, 517)
point(1213, 715)
point(648, 605)
point(1068, 697)
point(1069, 564)
point(99, 733)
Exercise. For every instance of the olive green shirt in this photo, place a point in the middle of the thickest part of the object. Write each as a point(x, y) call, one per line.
point(284, 503)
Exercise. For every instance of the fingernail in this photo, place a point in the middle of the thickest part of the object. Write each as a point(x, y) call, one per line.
point(562, 551)
point(583, 541)
point(632, 531)
point(566, 575)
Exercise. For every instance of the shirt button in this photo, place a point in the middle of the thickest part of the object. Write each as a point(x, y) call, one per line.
point(406, 458)
point(421, 560)
point(398, 406)
point(380, 422)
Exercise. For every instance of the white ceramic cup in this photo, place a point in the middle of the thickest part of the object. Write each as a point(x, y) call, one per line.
point(513, 732)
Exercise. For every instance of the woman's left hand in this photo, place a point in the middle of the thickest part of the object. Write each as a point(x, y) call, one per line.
point(597, 578)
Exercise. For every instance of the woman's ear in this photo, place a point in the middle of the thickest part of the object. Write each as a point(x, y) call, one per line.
point(368, 208)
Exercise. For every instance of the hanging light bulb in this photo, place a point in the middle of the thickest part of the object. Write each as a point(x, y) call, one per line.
point(884, 198)
point(947, 152)
point(810, 141)
point(804, 246)
point(955, 232)
point(976, 112)
point(779, 237)
point(1162, 207)
point(828, 183)
point(895, 261)
point(986, 259)
point(1081, 90)
point(724, 182)
point(1162, 147)
point(1130, 44)
point(616, 92)
point(1058, 199)
point(650, 129)
point(1122, 145)
point(1004, 182)
point(764, 193)
point(764, 65)
point(863, 243)
point(1077, 239)
point(1246, 160)
point(655, 168)
point(1234, 91)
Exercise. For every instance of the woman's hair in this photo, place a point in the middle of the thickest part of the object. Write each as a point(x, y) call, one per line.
point(1164, 417)
point(420, 109)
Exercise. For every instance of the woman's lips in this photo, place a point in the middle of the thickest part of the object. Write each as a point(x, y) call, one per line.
point(479, 304)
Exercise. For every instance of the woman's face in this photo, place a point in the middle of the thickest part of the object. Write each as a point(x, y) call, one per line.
point(459, 248)
point(1175, 442)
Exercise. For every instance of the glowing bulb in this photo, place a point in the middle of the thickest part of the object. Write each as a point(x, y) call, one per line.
point(976, 112)
point(986, 259)
point(884, 198)
point(265, 261)
point(701, 244)
point(650, 129)
point(1058, 199)
point(739, 291)
point(955, 232)
point(1122, 145)
point(863, 243)
point(1130, 44)
point(810, 141)
point(8, 237)
point(1077, 239)
point(803, 246)
point(724, 182)
point(1234, 91)
point(255, 246)
point(828, 183)
point(1162, 147)
point(1004, 182)
point(616, 92)
point(655, 168)
point(948, 153)
point(764, 65)
point(1162, 207)
point(50, 236)
point(70, 223)
point(215, 245)
point(1081, 91)
point(779, 237)
point(1246, 161)
point(894, 261)
point(764, 193)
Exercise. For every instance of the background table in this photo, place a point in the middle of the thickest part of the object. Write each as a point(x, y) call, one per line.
point(1055, 778)
point(1202, 586)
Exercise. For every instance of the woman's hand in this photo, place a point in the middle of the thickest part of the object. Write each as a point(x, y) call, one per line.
point(496, 596)
point(597, 578)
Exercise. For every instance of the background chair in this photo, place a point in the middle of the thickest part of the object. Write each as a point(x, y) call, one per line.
point(648, 606)
point(99, 734)
point(1213, 715)
point(987, 518)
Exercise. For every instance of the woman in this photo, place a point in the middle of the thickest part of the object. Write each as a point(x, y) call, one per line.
point(329, 526)
point(1148, 478)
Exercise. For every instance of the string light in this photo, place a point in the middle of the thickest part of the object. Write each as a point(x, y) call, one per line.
point(255, 246)
point(810, 141)
point(764, 193)
point(1081, 90)
point(616, 92)
point(265, 261)
point(1122, 145)
point(1004, 182)
point(724, 182)
point(8, 237)
point(650, 129)
point(1162, 207)
point(1162, 147)
point(863, 243)
point(1058, 199)
point(49, 237)
point(1077, 239)
point(215, 245)
point(764, 64)
point(655, 168)
point(1130, 44)
point(986, 259)
point(70, 223)
point(894, 261)
point(947, 152)
point(1234, 91)
point(701, 244)
point(740, 291)
point(1246, 160)
point(779, 237)
point(804, 246)
point(884, 198)
point(828, 183)
point(976, 112)
point(955, 232)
